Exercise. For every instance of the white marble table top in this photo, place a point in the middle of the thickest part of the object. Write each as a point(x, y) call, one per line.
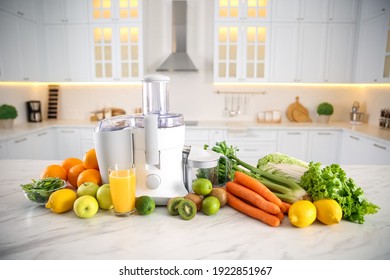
point(28, 231)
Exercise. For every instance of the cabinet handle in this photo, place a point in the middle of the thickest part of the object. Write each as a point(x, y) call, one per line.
point(293, 133)
point(67, 131)
point(26, 79)
point(20, 140)
point(354, 138)
point(324, 133)
point(380, 147)
point(42, 133)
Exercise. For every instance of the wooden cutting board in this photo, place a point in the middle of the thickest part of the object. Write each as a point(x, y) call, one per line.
point(296, 112)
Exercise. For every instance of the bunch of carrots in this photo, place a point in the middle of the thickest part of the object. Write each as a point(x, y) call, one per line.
point(250, 197)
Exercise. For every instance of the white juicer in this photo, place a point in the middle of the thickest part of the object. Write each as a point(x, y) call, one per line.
point(153, 141)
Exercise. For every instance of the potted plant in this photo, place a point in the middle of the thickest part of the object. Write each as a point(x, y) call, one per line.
point(324, 111)
point(7, 115)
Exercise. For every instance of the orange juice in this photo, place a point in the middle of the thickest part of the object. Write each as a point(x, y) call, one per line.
point(122, 186)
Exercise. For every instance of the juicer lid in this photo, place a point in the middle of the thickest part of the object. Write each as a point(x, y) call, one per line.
point(201, 158)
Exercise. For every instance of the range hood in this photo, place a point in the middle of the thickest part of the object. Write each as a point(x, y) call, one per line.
point(178, 60)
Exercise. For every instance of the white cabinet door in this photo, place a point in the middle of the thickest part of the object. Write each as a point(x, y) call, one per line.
point(371, 49)
point(233, 10)
point(67, 52)
point(298, 52)
point(300, 10)
point(293, 143)
point(379, 152)
point(44, 147)
point(19, 47)
point(115, 10)
point(21, 147)
point(22, 8)
point(343, 10)
point(29, 51)
point(196, 137)
point(312, 50)
point(373, 8)
point(65, 11)
point(3, 150)
point(9, 45)
point(340, 52)
point(87, 142)
point(284, 54)
point(68, 143)
point(324, 147)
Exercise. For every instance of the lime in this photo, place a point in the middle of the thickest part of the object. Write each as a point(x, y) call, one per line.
point(202, 186)
point(210, 205)
point(302, 213)
point(145, 205)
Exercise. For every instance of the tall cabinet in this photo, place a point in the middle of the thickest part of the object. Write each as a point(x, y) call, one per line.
point(116, 40)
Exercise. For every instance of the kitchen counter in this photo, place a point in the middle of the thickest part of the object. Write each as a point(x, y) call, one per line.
point(371, 131)
point(28, 231)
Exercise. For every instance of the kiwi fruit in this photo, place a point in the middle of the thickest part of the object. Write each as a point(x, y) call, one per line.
point(197, 199)
point(187, 209)
point(173, 204)
point(219, 193)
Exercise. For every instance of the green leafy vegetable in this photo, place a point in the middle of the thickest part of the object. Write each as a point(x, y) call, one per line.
point(283, 165)
point(331, 182)
point(40, 190)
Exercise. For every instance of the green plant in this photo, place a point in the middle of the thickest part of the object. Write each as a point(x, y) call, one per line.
point(8, 112)
point(325, 109)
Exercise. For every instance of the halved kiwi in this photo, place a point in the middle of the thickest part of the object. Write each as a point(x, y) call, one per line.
point(187, 209)
point(173, 204)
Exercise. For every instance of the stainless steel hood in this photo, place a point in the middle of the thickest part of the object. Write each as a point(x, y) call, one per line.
point(178, 60)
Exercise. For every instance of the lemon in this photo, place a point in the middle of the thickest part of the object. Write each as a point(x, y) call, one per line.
point(302, 213)
point(61, 201)
point(329, 212)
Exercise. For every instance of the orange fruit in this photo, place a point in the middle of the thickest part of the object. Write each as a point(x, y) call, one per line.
point(54, 171)
point(90, 160)
point(74, 172)
point(70, 162)
point(89, 175)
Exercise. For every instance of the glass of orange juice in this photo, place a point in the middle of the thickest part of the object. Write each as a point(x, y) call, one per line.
point(122, 185)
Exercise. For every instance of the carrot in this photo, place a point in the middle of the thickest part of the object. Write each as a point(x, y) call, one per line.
point(256, 186)
point(251, 211)
point(280, 216)
point(252, 197)
point(286, 206)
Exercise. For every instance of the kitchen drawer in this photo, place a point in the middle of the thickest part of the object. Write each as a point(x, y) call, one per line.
point(86, 133)
point(253, 135)
point(251, 152)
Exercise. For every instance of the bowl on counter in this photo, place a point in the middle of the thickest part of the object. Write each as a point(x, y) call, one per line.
point(39, 190)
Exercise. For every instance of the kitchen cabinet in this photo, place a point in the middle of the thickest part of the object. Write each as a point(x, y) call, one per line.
point(373, 8)
point(357, 149)
point(233, 10)
point(3, 150)
point(117, 52)
point(65, 11)
point(242, 41)
point(373, 60)
point(323, 146)
point(293, 143)
point(115, 10)
point(19, 48)
point(68, 143)
point(241, 52)
point(300, 10)
point(67, 52)
point(253, 144)
point(201, 137)
point(87, 143)
point(340, 46)
point(343, 10)
point(21, 8)
point(298, 52)
point(37, 145)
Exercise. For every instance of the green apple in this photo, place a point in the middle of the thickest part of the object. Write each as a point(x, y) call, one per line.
point(86, 206)
point(103, 197)
point(87, 188)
